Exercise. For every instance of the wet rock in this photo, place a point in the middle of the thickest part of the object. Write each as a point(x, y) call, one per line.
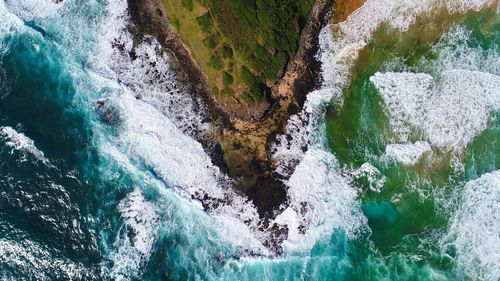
point(268, 195)
point(118, 45)
point(108, 114)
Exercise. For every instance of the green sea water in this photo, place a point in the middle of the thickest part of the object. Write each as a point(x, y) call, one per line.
point(99, 159)
point(409, 214)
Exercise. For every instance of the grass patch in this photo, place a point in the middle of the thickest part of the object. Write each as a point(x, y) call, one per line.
point(246, 99)
point(227, 92)
point(215, 91)
point(176, 23)
point(248, 78)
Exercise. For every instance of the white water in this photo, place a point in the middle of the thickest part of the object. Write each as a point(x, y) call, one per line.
point(20, 142)
point(450, 111)
point(340, 45)
point(321, 200)
point(426, 112)
point(475, 228)
point(152, 141)
point(408, 154)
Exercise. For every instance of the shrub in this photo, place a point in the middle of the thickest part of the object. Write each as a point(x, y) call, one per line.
point(248, 78)
point(276, 64)
point(215, 62)
point(210, 42)
point(188, 4)
point(205, 22)
point(226, 51)
point(256, 95)
point(245, 10)
point(157, 13)
point(215, 91)
point(227, 79)
point(246, 99)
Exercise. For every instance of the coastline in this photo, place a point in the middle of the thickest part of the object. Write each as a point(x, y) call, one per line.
point(244, 138)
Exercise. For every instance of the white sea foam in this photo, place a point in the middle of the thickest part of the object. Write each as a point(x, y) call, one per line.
point(151, 142)
point(307, 128)
point(408, 154)
point(31, 9)
point(339, 50)
point(456, 50)
point(155, 114)
point(339, 47)
point(9, 23)
point(450, 111)
point(371, 174)
point(456, 99)
point(20, 142)
point(133, 246)
point(148, 73)
point(340, 43)
point(150, 136)
point(361, 24)
point(321, 201)
point(474, 230)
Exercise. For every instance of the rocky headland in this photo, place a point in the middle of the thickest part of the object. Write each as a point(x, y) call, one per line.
point(245, 134)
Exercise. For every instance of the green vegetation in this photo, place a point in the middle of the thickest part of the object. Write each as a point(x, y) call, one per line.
point(240, 44)
point(227, 79)
point(188, 4)
point(215, 62)
point(176, 23)
point(210, 42)
point(215, 91)
point(157, 13)
point(205, 22)
point(226, 51)
point(227, 92)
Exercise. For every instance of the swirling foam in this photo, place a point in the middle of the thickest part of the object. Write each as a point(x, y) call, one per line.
point(451, 110)
point(408, 154)
point(142, 220)
point(340, 47)
point(474, 230)
point(20, 142)
point(321, 201)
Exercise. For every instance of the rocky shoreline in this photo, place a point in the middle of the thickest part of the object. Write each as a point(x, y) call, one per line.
point(244, 138)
